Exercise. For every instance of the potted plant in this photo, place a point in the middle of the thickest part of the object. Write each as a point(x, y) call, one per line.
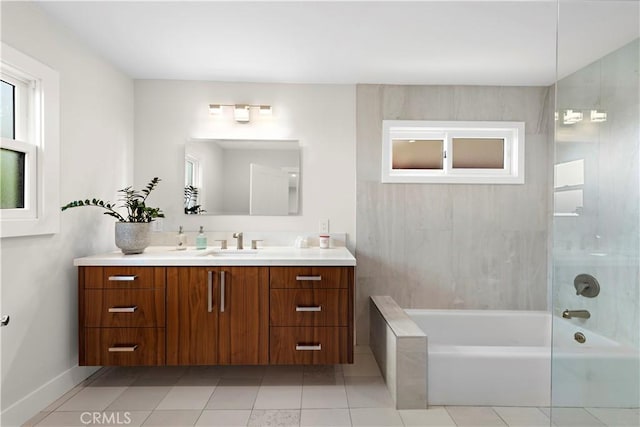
point(191, 205)
point(133, 228)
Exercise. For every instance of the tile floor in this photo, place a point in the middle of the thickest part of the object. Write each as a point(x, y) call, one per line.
point(349, 395)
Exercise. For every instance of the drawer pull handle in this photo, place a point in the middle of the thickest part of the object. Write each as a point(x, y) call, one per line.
point(123, 309)
point(222, 291)
point(316, 308)
point(301, 347)
point(117, 349)
point(309, 278)
point(122, 278)
point(210, 291)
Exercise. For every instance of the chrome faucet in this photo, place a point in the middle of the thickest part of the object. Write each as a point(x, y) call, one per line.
point(238, 236)
point(581, 314)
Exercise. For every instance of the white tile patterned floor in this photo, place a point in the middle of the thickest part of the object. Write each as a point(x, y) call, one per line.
point(228, 396)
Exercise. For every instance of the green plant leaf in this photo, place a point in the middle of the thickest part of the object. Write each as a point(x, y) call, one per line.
point(132, 200)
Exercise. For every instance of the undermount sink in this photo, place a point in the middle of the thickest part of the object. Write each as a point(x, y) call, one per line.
point(231, 252)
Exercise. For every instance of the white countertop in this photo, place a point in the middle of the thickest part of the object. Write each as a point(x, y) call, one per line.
point(269, 256)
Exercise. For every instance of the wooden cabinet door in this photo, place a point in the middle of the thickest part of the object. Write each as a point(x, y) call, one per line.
point(193, 309)
point(244, 317)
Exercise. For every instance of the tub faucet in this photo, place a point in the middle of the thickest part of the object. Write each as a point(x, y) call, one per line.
point(238, 236)
point(582, 314)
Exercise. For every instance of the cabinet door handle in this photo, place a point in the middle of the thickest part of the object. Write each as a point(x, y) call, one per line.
point(123, 309)
point(302, 347)
point(127, 348)
point(222, 292)
point(309, 278)
point(122, 278)
point(210, 291)
point(313, 308)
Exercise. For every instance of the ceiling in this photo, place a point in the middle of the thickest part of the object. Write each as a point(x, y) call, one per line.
point(419, 42)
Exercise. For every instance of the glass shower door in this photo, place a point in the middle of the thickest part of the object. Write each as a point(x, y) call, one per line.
point(595, 294)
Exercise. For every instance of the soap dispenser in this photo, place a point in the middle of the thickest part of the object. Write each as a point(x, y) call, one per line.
point(201, 239)
point(181, 243)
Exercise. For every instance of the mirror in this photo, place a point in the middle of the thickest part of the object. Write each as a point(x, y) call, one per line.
point(241, 177)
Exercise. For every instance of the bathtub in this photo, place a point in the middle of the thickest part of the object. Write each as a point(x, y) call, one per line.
point(503, 358)
point(611, 369)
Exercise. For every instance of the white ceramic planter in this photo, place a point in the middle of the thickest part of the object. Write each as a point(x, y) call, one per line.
point(133, 237)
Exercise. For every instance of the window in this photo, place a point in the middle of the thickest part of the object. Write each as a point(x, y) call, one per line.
point(29, 148)
point(12, 179)
point(453, 152)
point(417, 154)
point(189, 168)
point(191, 171)
point(193, 200)
point(7, 109)
point(17, 155)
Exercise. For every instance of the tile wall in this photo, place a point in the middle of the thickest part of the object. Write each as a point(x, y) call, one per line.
point(603, 240)
point(452, 245)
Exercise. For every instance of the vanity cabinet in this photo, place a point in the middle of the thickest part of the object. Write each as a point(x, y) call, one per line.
point(217, 316)
point(311, 315)
point(121, 315)
point(192, 316)
point(244, 317)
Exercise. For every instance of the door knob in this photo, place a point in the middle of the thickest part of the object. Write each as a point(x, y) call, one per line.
point(4, 320)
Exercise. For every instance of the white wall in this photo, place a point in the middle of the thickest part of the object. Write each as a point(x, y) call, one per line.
point(38, 287)
point(321, 117)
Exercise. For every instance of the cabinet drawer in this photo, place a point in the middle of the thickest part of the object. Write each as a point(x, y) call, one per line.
point(123, 277)
point(308, 345)
point(124, 307)
point(309, 307)
point(310, 277)
point(125, 346)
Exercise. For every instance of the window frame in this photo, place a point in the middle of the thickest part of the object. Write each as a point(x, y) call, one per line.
point(195, 170)
point(38, 137)
point(512, 133)
point(23, 95)
point(196, 176)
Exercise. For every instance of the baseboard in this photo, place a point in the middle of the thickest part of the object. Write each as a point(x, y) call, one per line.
point(25, 408)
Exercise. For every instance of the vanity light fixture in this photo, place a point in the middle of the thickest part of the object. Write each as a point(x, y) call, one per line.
point(598, 116)
point(241, 112)
point(571, 117)
point(215, 109)
point(266, 110)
